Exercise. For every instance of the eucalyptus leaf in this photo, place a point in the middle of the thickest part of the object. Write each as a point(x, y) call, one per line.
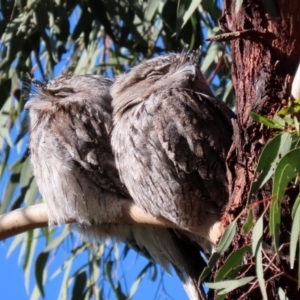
point(295, 206)
point(187, 15)
point(40, 270)
point(272, 152)
point(234, 260)
point(224, 243)
point(229, 285)
point(269, 123)
point(286, 170)
point(227, 237)
point(281, 294)
point(249, 222)
point(79, 287)
point(295, 232)
point(257, 254)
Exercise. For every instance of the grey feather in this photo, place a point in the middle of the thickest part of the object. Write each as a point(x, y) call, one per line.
point(70, 120)
point(176, 136)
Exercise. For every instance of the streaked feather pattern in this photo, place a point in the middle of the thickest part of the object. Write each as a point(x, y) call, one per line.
point(70, 120)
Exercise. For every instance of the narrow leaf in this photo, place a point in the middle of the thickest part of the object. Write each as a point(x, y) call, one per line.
point(222, 247)
point(286, 170)
point(151, 8)
point(227, 238)
point(257, 253)
point(187, 15)
point(234, 260)
point(238, 5)
point(281, 294)
point(229, 285)
point(54, 244)
point(40, 269)
point(272, 152)
point(79, 286)
point(249, 222)
point(269, 123)
point(295, 236)
point(295, 206)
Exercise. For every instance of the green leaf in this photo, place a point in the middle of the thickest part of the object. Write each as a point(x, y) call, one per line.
point(151, 8)
point(30, 246)
point(138, 280)
point(26, 173)
point(238, 5)
point(187, 15)
point(286, 170)
point(210, 58)
point(68, 264)
point(295, 206)
point(4, 133)
point(117, 289)
point(40, 270)
point(281, 294)
point(18, 240)
point(269, 123)
point(227, 238)
point(233, 260)
point(31, 193)
point(296, 124)
point(4, 156)
point(55, 243)
point(79, 286)
point(229, 285)
point(298, 265)
point(224, 243)
point(249, 222)
point(63, 293)
point(9, 191)
point(272, 152)
point(257, 253)
point(278, 120)
point(211, 263)
point(295, 235)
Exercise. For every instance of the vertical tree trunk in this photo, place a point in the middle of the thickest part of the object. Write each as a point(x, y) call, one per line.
point(265, 58)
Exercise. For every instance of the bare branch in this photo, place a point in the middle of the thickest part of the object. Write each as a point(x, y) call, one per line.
point(248, 34)
point(23, 219)
point(35, 216)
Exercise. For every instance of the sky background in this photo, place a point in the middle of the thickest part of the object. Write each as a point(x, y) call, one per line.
point(12, 283)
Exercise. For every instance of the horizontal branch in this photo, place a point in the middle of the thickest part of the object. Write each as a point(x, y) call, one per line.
point(248, 34)
point(35, 216)
point(23, 219)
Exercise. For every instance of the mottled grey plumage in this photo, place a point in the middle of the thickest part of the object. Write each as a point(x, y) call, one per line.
point(70, 120)
point(170, 139)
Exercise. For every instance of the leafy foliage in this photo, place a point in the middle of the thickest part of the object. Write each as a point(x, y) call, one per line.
point(50, 38)
point(279, 161)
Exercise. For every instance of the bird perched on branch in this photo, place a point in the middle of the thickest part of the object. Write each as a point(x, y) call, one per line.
point(70, 124)
point(170, 139)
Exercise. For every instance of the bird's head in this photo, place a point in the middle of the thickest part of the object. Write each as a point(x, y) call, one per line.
point(65, 91)
point(156, 75)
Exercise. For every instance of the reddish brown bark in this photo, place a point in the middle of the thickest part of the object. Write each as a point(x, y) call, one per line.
point(264, 63)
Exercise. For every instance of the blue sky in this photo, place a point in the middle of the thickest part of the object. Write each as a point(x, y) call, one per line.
point(12, 276)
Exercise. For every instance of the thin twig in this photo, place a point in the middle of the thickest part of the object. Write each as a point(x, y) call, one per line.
point(249, 34)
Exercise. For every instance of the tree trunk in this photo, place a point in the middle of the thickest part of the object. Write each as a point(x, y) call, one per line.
point(265, 58)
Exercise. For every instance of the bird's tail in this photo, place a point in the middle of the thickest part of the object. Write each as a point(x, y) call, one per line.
point(163, 246)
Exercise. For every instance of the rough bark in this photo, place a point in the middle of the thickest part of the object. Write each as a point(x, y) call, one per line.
point(264, 63)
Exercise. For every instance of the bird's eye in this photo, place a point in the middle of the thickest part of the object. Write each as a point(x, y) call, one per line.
point(154, 75)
